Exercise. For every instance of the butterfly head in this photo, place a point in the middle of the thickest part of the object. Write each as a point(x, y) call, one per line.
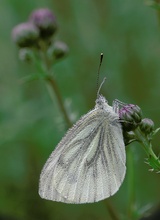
point(101, 102)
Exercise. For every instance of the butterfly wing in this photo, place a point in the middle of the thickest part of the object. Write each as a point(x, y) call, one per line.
point(88, 164)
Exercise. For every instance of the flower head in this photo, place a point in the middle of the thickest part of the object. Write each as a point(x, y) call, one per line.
point(131, 116)
point(45, 21)
point(25, 34)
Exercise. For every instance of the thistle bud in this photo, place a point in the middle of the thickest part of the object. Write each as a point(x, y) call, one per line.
point(130, 116)
point(147, 125)
point(45, 21)
point(25, 34)
point(25, 54)
point(58, 50)
point(129, 137)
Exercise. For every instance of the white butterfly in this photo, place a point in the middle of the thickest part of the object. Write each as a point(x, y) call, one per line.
point(88, 165)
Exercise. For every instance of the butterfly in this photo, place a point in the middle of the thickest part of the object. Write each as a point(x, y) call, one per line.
point(88, 165)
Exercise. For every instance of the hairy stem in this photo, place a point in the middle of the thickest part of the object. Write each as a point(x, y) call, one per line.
point(152, 159)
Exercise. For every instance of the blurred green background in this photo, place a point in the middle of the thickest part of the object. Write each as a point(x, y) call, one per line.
point(128, 33)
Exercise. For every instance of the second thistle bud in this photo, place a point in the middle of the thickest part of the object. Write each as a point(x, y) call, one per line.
point(147, 125)
point(25, 34)
point(58, 50)
point(130, 116)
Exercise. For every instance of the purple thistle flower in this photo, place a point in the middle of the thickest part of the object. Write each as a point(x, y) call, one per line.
point(45, 21)
point(131, 116)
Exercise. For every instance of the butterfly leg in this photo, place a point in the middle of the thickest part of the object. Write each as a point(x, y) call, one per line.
point(117, 104)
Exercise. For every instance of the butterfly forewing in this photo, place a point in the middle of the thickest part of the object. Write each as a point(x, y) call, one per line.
point(88, 164)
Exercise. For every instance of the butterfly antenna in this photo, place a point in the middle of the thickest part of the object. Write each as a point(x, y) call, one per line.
point(99, 87)
point(101, 58)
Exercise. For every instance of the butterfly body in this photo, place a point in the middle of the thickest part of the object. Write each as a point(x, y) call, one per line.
point(88, 165)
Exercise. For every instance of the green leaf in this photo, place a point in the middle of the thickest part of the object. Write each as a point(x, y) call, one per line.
point(154, 163)
point(155, 131)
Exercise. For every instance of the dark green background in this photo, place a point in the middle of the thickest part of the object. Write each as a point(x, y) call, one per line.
point(128, 33)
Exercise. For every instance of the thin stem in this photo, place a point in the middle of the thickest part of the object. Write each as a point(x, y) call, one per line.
point(54, 87)
point(158, 16)
point(142, 139)
point(111, 210)
point(52, 83)
point(131, 184)
point(158, 12)
point(153, 160)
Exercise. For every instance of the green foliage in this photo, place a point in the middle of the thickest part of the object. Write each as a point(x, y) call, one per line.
point(127, 32)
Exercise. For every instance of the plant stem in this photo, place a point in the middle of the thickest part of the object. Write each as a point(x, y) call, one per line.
point(158, 16)
point(111, 210)
point(131, 184)
point(54, 87)
point(52, 83)
point(153, 160)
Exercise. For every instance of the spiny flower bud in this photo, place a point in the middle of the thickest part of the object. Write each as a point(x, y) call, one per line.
point(130, 116)
point(45, 21)
point(58, 50)
point(25, 34)
point(147, 125)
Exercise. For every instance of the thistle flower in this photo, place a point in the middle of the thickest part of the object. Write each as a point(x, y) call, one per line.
point(131, 116)
point(45, 21)
point(25, 34)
